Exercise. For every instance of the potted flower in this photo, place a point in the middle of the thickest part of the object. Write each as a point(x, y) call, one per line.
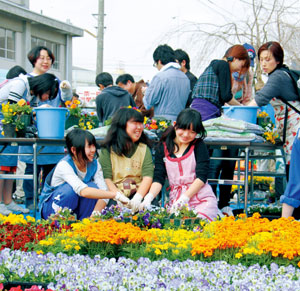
point(23, 116)
point(88, 121)
point(9, 120)
point(270, 133)
point(263, 119)
point(75, 113)
point(63, 216)
point(157, 124)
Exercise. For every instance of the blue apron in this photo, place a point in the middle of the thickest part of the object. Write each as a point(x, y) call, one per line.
point(82, 207)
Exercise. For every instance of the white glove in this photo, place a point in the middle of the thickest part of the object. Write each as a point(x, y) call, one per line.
point(65, 85)
point(147, 201)
point(66, 90)
point(121, 198)
point(135, 202)
point(183, 199)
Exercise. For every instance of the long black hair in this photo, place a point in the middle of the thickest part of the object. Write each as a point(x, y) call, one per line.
point(186, 119)
point(44, 83)
point(117, 139)
point(76, 138)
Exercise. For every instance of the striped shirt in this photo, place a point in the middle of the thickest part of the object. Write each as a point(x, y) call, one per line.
point(15, 89)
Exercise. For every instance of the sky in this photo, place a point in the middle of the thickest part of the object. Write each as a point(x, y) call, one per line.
point(133, 29)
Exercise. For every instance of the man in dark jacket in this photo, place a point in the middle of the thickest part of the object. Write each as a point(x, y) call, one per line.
point(183, 59)
point(111, 97)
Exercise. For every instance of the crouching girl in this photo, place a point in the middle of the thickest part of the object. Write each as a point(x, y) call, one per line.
point(77, 180)
point(182, 156)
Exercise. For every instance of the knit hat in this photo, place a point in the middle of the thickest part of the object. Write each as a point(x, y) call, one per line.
point(251, 52)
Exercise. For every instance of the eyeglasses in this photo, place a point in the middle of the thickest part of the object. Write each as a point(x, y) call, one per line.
point(154, 64)
point(42, 58)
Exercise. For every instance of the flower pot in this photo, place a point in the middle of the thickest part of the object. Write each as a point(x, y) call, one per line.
point(127, 219)
point(9, 130)
point(188, 221)
point(263, 121)
point(177, 222)
point(72, 120)
point(166, 221)
point(26, 119)
point(197, 221)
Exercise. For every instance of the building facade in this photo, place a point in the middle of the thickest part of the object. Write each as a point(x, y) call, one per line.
point(22, 29)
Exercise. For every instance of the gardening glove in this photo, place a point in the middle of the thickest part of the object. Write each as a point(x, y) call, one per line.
point(65, 84)
point(121, 198)
point(146, 202)
point(66, 90)
point(183, 199)
point(135, 202)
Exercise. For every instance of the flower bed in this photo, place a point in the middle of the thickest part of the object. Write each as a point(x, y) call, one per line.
point(111, 255)
point(83, 273)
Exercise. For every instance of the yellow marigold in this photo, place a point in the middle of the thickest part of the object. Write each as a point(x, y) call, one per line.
point(238, 255)
point(158, 252)
point(22, 102)
point(134, 217)
point(256, 215)
point(40, 252)
point(113, 232)
point(298, 264)
point(77, 248)
point(47, 242)
point(175, 251)
point(68, 247)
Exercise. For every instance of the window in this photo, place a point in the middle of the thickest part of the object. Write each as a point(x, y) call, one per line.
point(7, 44)
point(54, 47)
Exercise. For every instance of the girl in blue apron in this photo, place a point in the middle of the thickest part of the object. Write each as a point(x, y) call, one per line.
point(77, 180)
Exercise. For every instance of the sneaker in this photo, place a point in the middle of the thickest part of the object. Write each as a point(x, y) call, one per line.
point(12, 206)
point(227, 211)
point(4, 210)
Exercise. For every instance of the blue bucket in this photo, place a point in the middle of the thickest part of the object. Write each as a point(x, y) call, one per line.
point(246, 113)
point(51, 121)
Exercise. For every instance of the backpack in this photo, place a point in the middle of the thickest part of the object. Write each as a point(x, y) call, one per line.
point(295, 76)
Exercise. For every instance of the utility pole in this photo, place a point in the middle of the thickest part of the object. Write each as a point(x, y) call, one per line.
point(99, 68)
